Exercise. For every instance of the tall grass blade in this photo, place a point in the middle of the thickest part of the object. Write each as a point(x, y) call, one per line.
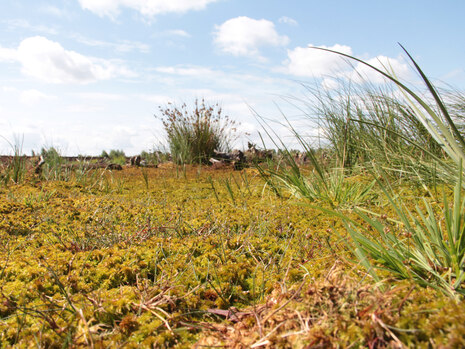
point(452, 142)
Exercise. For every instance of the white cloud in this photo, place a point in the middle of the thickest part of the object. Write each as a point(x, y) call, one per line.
point(156, 99)
point(149, 8)
point(15, 24)
point(84, 108)
point(288, 20)
point(120, 46)
point(385, 64)
point(243, 36)
point(186, 70)
point(9, 89)
point(48, 61)
point(54, 11)
point(33, 97)
point(101, 96)
point(128, 46)
point(246, 127)
point(330, 84)
point(178, 32)
point(308, 62)
point(8, 54)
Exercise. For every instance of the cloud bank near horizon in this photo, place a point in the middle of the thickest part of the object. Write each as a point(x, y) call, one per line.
point(109, 64)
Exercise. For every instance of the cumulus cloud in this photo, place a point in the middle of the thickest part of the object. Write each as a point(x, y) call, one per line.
point(330, 84)
point(243, 36)
point(365, 73)
point(307, 62)
point(48, 61)
point(149, 8)
point(9, 89)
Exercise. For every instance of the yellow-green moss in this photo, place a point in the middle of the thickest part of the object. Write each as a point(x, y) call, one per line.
point(112, 261)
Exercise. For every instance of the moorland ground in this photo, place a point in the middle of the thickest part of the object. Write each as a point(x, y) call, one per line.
point(359, 242)
point(187, 256)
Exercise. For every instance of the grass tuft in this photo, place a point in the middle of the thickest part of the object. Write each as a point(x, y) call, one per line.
point(194, 135)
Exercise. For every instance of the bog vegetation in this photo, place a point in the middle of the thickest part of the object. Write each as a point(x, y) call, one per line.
point(360, 245)
point(194, 135)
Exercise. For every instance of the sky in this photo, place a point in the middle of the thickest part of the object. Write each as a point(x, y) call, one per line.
point(89, 75)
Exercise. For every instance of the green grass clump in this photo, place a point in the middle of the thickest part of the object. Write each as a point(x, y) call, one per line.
point(392, 138)
point(15, 169)
point(423, 247)
point(435, 255)
point(53, 167)
point(115, 156)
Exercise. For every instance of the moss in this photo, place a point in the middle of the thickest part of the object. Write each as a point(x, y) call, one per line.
point(144, 266)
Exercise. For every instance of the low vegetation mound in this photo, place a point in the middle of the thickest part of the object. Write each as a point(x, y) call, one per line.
point(194, 135)
point(157, 257)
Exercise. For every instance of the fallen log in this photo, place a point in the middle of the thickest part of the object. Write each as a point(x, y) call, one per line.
point(236, 158)
point(38, 168)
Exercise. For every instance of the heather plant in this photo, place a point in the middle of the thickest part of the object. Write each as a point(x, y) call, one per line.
point(194, 135)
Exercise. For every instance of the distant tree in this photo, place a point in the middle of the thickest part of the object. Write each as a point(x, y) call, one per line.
point(116, 153)
point(117, 156)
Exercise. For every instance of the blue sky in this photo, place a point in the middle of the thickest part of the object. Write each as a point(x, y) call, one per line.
point(88, 75)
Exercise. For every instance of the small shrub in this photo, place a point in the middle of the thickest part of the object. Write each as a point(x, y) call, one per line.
point(193, 136)
point(115, 156)
point(153, 157)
